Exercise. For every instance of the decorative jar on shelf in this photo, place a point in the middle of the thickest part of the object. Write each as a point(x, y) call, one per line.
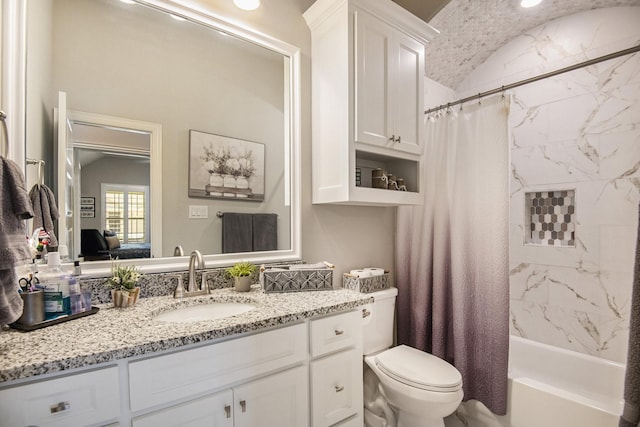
point(216, 180)
point(229, 181)
point(242, 182)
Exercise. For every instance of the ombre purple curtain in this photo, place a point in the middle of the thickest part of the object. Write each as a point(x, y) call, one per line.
point(452, 252)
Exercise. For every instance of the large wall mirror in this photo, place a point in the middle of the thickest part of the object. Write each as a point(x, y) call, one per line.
point(160, 72)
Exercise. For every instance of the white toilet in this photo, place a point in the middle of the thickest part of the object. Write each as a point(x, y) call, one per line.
point(403, 387)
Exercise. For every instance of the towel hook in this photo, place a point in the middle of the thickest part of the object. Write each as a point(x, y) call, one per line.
point(40, 163)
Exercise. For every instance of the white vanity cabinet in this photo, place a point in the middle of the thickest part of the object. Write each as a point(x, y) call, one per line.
point(276, 400)
point(336, 369)
point(308, 373)
point(367, 100)
point(89, 398)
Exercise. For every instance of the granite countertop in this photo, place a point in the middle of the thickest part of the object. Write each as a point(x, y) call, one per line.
point(116, 333)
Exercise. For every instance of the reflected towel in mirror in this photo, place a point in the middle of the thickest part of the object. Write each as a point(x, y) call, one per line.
point(249, 232)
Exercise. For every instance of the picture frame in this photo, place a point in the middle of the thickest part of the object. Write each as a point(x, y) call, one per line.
point(222, 167)
point(87, 207)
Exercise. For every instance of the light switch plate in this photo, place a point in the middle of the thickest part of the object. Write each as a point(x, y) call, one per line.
point(198, 212)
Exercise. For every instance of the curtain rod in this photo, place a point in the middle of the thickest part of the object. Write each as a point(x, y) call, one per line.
point(537, 78)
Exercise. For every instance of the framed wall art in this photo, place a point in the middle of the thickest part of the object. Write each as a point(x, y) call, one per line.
point(87, 207)
point(221, 167)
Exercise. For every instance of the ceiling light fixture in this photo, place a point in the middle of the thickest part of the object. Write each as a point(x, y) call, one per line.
point(529, 3)
point(247, 4)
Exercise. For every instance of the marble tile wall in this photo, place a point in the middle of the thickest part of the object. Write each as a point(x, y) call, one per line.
point(580, 131)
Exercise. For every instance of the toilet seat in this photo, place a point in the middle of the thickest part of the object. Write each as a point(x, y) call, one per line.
point(418, 369)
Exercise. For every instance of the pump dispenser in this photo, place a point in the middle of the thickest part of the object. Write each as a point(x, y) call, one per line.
point(55, 284)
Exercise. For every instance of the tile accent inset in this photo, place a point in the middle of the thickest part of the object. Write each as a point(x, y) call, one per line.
point(550, 218)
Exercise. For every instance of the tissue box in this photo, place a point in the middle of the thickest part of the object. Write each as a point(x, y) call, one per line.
point(366, 284)
point(282, 279)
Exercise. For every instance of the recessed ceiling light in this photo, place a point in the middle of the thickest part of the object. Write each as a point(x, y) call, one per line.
point(530, 3)
point(247, 4)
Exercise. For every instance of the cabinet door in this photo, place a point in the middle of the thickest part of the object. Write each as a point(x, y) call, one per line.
point(210, 411)
point(277, 400)
point(372, 76)
point(336, 387)
point(407, 94)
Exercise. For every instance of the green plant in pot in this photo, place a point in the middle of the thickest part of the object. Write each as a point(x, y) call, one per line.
point(124, 284)
point(241, 273)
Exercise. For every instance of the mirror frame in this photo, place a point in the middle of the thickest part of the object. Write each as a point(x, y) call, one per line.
point(14, 47)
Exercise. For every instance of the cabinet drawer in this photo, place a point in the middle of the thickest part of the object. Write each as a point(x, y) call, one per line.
point(186, 373)
point(80, 399)
point(337, 332)
point(336, 387)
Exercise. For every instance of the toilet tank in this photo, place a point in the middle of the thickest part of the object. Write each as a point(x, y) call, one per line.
point(377, 334)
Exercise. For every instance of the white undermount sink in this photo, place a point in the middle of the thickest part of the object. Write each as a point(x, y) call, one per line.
point(208, 311)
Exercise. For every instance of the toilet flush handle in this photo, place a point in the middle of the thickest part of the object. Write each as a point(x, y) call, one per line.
point(365, 313)
point(338, 331)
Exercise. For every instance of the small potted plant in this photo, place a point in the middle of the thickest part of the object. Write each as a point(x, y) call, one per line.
point(124, 284)
point(241, 273)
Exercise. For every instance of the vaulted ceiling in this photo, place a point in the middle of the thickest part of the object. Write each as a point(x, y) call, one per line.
point(471, 30)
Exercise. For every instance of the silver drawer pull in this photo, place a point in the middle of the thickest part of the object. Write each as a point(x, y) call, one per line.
point(338, 388)
point(365, 313)
point(59, 407)
point(338, 332)
point(227, 411)
point(243, 405)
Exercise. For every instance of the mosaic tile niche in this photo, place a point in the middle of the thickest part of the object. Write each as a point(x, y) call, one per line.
point(551, 218)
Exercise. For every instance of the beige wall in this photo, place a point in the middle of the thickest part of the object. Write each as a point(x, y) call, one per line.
point(348, 236)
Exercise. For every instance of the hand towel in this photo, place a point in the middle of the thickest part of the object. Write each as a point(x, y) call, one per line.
point(15, 207)
point(237, 232)
point(631, 412)
point(45, 211)
point(265, 232)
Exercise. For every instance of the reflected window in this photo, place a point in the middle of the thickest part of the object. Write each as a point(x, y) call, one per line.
point(126, 212)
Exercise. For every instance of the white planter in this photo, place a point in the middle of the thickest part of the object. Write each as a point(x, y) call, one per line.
point(242, 182)
point(216, 180)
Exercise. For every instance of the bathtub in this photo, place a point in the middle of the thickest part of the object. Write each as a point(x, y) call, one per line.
point(552, 387)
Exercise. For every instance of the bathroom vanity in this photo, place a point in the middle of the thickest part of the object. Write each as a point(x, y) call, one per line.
point(295, 360)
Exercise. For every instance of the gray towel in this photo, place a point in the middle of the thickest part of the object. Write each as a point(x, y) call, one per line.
point(631, 413)
point(45, 211)
point(265, 232)
point(237, 232)
point(15, 207)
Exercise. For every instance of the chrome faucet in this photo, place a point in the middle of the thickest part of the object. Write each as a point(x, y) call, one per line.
point(178, 251)
point(195, 257)
point(195, 262)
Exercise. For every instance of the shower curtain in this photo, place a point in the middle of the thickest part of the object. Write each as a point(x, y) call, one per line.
point(452, 252)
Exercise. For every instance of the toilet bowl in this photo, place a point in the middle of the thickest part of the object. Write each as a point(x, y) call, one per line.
point(404, 387)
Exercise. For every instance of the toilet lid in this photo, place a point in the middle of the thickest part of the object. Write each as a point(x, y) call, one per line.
point(418, 369)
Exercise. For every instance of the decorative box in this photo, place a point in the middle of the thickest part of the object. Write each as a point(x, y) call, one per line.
point(297, 278)
point(366, 284)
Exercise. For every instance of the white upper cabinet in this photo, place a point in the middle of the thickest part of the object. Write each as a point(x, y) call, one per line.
point(367, 75)
point(389, 76)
